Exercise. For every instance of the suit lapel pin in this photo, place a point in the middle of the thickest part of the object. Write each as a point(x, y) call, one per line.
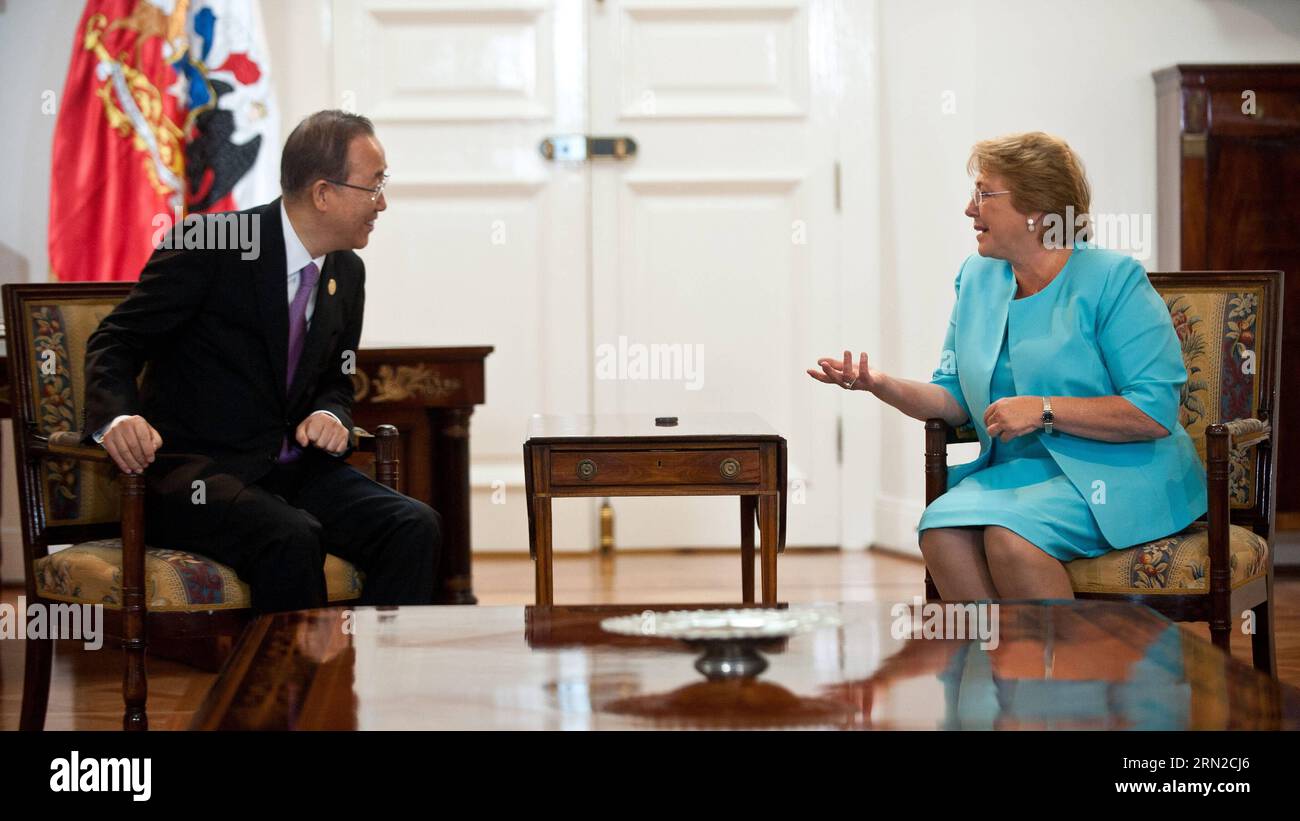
point(333, 286)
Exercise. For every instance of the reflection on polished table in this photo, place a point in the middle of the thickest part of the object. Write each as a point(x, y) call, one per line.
point(1056, 665)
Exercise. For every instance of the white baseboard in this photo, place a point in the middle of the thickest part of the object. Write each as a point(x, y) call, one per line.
point(896, 520)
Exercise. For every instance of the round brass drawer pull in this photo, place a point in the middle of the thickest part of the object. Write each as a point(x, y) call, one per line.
point(586, 470)
point(730, 468)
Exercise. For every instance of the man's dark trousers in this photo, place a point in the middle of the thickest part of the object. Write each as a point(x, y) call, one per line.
point(278, 530)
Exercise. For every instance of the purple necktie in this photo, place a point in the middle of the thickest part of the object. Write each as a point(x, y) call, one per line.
point(289, 450)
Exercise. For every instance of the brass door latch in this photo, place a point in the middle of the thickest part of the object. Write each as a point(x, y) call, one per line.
point(580, 147)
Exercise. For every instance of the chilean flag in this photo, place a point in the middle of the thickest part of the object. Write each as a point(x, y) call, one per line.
point(168, 109)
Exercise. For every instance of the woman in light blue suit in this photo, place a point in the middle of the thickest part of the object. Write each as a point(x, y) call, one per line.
point(1064, 359)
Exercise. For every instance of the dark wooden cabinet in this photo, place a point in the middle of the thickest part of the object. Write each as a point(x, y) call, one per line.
point(429, 394)
point(1228, 170)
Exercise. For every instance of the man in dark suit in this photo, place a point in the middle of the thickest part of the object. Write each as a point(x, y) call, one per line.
point(241, 418)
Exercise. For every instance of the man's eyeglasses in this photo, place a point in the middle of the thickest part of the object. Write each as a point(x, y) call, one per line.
point(375, 193)
point(977, 196)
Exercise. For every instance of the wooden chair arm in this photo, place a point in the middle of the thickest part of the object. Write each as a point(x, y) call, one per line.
point(965, 433)
point(384, 443)
point(951, 435)
point(66, 443)
point(1220, 440)
point(362, 440)
point(937, 436)
point(1246, 433)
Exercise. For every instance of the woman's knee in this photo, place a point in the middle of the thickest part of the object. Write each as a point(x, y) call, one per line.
point(1002, 545)
point(929, 541)
point(936, 541)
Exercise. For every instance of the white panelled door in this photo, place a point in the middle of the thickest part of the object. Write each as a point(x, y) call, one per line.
point(718, 239)
point(710, 253)
point(484, 241)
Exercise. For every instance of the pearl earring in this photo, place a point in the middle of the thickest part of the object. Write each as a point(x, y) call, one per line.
point(1030, 222)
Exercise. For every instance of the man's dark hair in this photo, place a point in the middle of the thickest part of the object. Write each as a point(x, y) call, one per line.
point(318, 149)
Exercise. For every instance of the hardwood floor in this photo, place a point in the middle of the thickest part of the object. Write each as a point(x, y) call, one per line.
point(85, 691)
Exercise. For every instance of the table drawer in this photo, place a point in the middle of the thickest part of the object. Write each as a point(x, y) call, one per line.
point(655, 467)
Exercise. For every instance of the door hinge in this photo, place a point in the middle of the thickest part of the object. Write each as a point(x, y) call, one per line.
point(838, 190)
point(839, 440)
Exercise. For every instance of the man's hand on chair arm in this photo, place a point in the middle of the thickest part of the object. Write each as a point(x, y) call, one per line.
point(132, 442)
point(324, 430)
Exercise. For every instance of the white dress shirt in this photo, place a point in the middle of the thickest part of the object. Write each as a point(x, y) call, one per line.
point(296, 257)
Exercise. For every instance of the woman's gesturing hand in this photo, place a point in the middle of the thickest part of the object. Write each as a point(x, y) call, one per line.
point(1014, 416)
point(845, 375)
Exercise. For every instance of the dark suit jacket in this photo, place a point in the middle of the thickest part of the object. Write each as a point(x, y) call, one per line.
point(210, 332)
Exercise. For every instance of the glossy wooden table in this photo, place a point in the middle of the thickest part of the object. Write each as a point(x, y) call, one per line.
point(1067, 665)
point(714, 454)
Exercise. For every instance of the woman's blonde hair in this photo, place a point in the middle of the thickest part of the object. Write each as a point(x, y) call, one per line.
point(1042, 172)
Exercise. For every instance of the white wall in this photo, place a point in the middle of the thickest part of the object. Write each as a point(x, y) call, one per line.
point(1078, 70)
point(35, 46)
point(36, 41)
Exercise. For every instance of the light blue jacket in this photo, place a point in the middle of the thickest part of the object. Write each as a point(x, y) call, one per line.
point(1108, 333)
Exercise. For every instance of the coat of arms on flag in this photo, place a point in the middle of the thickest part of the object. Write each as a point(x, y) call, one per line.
point(168, 109)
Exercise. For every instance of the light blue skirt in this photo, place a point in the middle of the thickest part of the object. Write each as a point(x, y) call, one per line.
point(1029, 496)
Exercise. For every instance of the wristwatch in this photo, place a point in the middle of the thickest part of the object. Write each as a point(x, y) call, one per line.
point(1048, 416)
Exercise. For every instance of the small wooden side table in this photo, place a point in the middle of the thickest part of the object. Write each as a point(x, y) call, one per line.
point(719, 454)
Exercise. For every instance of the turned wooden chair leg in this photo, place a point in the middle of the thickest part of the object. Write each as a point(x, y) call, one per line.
point(38, 656)
point(936, 479)
point(1216, 476)
point(1221, 636)
point(387, 462)
point(135, 685)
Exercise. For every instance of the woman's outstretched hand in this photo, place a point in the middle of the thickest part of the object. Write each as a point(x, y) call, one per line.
point(834, 372)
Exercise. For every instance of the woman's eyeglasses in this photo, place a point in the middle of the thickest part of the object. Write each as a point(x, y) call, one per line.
point(977, 196)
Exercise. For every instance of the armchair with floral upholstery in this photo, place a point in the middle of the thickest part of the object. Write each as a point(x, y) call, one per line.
point(83, 521)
